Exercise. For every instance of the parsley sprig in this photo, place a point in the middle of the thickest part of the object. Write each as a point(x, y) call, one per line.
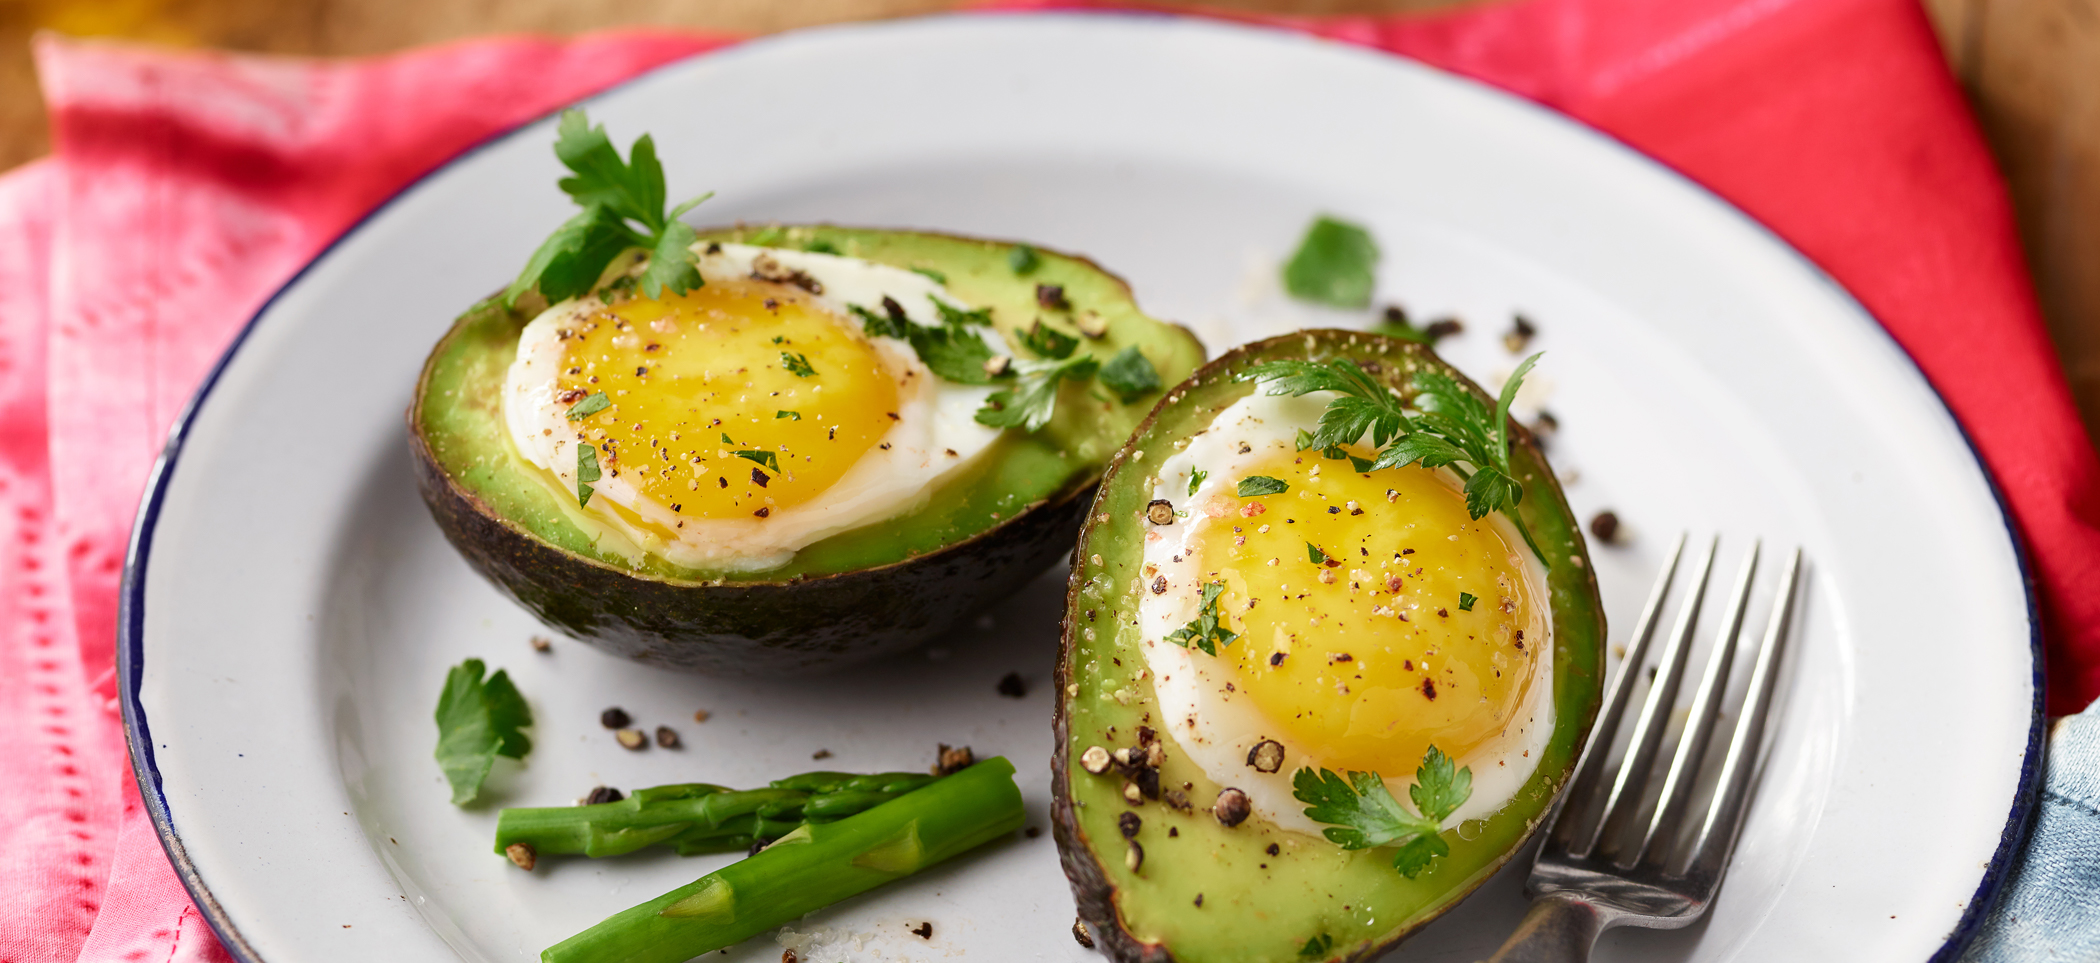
point(950, 349)
point(1031, 401)
point(623, 209)
point(954, 352)
point(478, 720)
point(1362, 814)
point(1207, 630)
point(1448, 427)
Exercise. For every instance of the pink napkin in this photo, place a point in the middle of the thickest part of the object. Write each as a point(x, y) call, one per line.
point(186, 187)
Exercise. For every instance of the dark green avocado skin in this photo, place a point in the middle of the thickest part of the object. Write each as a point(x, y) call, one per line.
point(756, 628)
point(1252, 911)
point(856, 596)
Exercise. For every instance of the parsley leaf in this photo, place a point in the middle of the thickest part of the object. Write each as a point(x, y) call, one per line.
point(1313, 553)
point(586, 472)
point(950, 314)
point(1022, 259)
point(953, 353)
point(1466, 600)
point(1196, 480)
point(1129, 374)
point(1207, 631)
point(796, 364)
point(1332, 265)
point(762, 457)
point(1449, 427)
point(821, 246)
point(789, 415)
point(1253, 485)
point(950, 350)
point(1049, 342)
point(623, 209)
point(1030, 402)
point(1362, 814)
point(1316, 947)
point(589, 406)
point(882, 325)
point(477, 721)
point(936, 276)
point(672, 262)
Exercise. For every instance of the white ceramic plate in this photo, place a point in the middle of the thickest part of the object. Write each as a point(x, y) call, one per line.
point(292, 610)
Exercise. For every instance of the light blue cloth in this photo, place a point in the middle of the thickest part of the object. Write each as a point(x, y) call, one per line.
point(2051, 907)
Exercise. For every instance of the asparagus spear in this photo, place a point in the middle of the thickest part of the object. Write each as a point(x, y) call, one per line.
point(701, 818)
point(814, 866)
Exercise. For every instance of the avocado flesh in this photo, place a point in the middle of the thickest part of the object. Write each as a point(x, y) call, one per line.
point(853, 595)
point(1258, 907)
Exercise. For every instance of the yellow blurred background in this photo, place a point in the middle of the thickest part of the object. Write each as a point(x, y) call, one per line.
point(2031, 69)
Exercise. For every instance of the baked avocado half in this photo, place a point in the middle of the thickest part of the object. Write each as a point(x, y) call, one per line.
point(1310, 701)
point(967, 537)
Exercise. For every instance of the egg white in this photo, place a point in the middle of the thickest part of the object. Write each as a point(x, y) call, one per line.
point(894, 477)
point(1214, 728)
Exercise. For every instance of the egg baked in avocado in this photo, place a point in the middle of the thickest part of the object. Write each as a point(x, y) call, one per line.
point(1331, 648)
point(774, 449)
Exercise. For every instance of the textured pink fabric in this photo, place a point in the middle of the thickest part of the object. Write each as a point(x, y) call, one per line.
point(61, 756)
point(187, 187)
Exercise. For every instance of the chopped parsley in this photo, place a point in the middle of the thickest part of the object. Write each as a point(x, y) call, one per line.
point(1313, 553)
point(949, 350)
point(589, 406)
point(586, 472)
point(1129, 375)
point(1362, 814)
point(623, 209)
point(1316, 947)
point(952, 315)
point(1196, 480)
point(477, 721)
point(797, 364)
point(1033, 398)
point(1466, 600)
point(938, 277)
point(1023, 259)
point(953, 353)
point(762, 457)
point(1049, 342)
point(882, 325)
point(789, 415)
point(769, 236)
point(821, 246)
point(1332, 265)
point(1253, 485)
point(1207, 630)
point(614, 288)
point(1447, 427)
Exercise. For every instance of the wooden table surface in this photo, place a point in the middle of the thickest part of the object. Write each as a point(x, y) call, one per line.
point(2031, 68)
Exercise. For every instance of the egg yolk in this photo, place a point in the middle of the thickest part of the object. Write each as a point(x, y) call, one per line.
point(1416, 627)
point(734, 400)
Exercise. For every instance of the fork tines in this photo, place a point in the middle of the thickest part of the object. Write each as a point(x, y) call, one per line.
point(1607, 826)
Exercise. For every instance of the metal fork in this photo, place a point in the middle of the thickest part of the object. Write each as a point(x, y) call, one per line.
point(1590, 875)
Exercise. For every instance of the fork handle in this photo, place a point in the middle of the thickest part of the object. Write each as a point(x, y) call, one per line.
point(1559, 929)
